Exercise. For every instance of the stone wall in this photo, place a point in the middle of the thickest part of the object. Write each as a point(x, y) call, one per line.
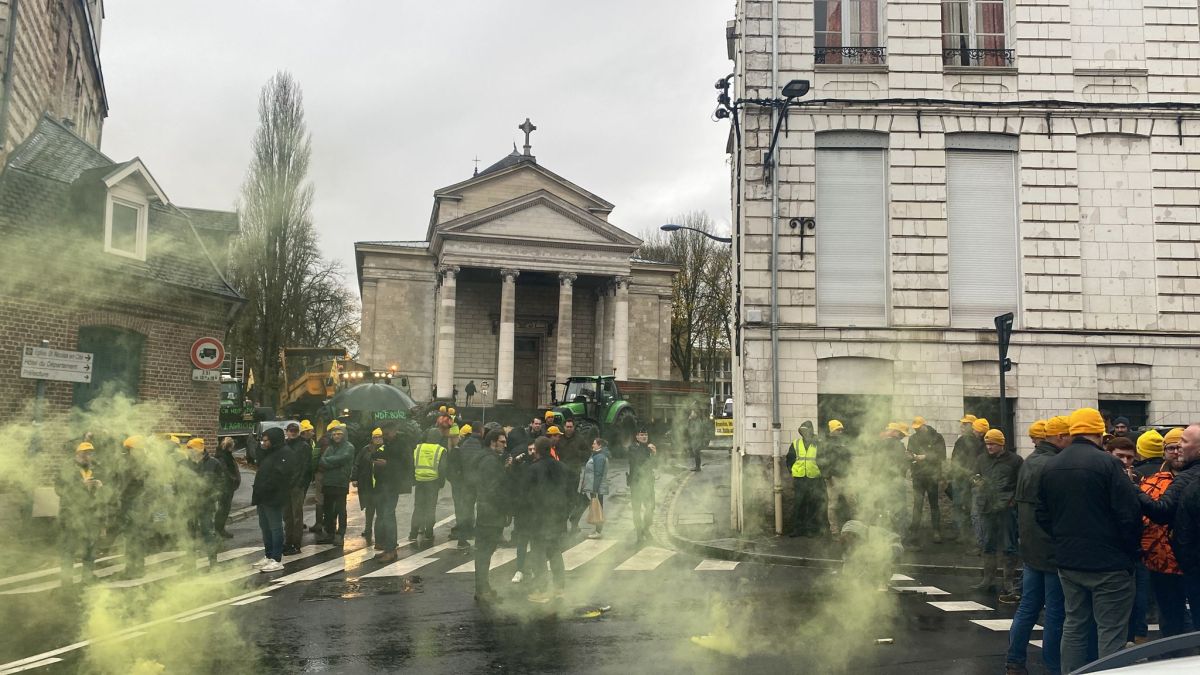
point(399, 317)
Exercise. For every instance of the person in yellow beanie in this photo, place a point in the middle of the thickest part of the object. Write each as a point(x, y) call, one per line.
point(1091, 510)
point(80, 493)
point(1040, 587)
point(928, 450)
point(967, 450)
point(995, 485)
point(1149, 458)
point(835, 462)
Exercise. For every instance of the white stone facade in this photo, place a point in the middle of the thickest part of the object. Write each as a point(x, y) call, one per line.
point(1098, 108)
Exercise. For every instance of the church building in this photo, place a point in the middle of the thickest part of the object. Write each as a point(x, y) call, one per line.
point(520, 282)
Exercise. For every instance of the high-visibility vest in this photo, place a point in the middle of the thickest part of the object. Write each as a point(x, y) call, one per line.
point(426, 458)
point(805, 465)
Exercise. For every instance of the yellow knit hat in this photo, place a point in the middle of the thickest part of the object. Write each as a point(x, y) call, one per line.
point(835, 425)
point(195, 443)
point(1086, 421)
point(1037, 430)
point(967, 419)
point(918, 422)
point(980, 424)
point(84, 447)
point(896, 426)
point(305, 425)
point(1173, 437)
point(994, 436)
point(1058, 426)
point(1150, 445)
point(377, 432)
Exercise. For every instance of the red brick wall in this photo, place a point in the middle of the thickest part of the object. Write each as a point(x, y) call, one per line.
point(166, 375)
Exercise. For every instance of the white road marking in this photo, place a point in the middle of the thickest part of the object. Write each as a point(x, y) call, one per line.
point(247, 601)
point(1036, 643)
point(646, 559)
point(193, 617)
point(927, 590)
point(343, 563)
point(584, 551)
point(961, 606)
point(31, 666)
point(998, 625)
point(502, 556)
point(716, 565)
point(28, 576)
point(412, 563)
point(131, 636)
point(901, 577)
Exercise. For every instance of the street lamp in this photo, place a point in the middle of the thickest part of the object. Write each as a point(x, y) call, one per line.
point(671, 227)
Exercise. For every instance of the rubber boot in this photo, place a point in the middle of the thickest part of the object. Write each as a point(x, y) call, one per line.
point(988, 582)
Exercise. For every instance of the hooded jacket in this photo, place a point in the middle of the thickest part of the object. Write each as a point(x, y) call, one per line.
point(337, 464)
point(1037, 546)
point(273, 481)
point(1089, 507)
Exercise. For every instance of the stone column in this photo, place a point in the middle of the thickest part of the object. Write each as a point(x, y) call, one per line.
point(610, 313)
point(598, 343)
point(508, 316)
point(562, 357)
point(445, 357)
point(621, 329)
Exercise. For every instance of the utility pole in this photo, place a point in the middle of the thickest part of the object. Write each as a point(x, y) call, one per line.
point(1004, 324)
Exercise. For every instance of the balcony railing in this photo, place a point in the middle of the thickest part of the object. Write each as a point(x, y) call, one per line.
point(859, 56)
point(977, 57)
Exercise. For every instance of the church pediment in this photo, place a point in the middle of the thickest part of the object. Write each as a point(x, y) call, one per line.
point(539, 216)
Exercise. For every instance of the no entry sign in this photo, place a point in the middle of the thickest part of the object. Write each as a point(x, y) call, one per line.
point(207, 353)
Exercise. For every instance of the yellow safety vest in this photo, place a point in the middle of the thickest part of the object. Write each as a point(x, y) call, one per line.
point(806, 460)
point(426, 458)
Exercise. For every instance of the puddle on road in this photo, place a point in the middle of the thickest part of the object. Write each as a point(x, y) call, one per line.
point(356, 587)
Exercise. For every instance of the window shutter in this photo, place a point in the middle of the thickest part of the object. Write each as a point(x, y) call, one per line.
point(982, 210)
point(852, 238)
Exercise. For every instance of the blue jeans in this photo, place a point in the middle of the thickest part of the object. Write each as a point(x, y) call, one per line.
point(1038, 590)
point(270, 521)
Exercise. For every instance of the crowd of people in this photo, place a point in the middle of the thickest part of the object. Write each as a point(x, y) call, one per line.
point(1095, 526)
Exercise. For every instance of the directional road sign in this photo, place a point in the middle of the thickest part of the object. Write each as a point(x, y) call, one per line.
point(40, 363)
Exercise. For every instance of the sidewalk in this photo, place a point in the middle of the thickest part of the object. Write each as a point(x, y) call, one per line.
point(698, 520)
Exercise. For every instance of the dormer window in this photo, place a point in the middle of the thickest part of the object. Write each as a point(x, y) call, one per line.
point(125, 224)
point(130, 189)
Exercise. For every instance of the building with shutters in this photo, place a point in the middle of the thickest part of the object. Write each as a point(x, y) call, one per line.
point(521, 282)
point(962, 159)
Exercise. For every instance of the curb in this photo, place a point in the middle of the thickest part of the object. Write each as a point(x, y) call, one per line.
point(725, 553)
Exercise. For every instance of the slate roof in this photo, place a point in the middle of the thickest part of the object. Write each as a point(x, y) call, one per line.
point(208, 219)
point(511, 159)
point(51, 182)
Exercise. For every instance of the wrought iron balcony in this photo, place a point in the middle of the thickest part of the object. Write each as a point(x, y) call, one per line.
point(850, 55)
point(977, 57)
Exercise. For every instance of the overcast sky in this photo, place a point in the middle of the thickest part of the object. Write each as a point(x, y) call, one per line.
point(401, 96)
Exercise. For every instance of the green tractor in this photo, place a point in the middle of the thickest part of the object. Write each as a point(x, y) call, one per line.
point(598, 408)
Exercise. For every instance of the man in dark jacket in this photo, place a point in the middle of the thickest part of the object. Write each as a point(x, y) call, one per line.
point(550, 488)
point(231, 479)
point(835, 463)
point(337, 463)
point(573, 451)
point(293, 512)
point(79, 491)
point(1040, 585)
point(489, 475)
point(1090, 508)
point(199, 492)
point(364, 482)
point(1185, 542)
point(967, 450)
point(458, 462)
point(389, 472)
point(519, 439)
point(994, 486)
point(1163, 510)
point(272, 489)
point(928, 450)
point(808, 488)
point(642, 457)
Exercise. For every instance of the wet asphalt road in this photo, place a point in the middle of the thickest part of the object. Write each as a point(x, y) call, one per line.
point(341, 611)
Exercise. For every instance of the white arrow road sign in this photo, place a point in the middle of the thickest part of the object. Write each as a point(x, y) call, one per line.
point(39, 363)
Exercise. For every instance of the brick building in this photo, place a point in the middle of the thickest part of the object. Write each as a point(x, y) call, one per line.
point(50, 65)
point(521, 282)
point(99, 260)
point(963, 159)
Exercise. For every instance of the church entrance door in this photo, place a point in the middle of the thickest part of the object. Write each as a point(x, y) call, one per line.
point(526, 371)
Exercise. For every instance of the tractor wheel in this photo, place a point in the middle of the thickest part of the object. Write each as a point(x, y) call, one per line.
point(621, 431)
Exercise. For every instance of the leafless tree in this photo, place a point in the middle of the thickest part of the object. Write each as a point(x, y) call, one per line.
point(294, 297)
point(700, 329)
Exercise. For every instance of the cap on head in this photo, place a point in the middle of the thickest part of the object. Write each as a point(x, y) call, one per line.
point(1086, 421)
point(918, 422)
point(465, 430)
point(195, 444)
point(1058, 426)
point(1150, 444)
point(549, 415)
point(897, 427)
point(451, 412)
point(980, 425)
point(84, 447)
point(441, 408)
point(553, 431)
point(134, 442)
point(994, 437)
point(377, 432)
point(1121, 420)
point(835, 425)
point(1173, 436)
point(305, 425)
point(1037, 430)
point(336, 425)
point(292, 426)
point(968, 419)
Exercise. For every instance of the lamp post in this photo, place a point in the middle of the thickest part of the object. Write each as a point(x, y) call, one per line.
point(671, 227)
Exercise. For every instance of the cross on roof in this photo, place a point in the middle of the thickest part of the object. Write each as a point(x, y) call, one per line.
point(528, 128)
point(476, 160)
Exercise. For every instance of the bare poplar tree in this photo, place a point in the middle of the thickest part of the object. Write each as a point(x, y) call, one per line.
point(701, 296)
